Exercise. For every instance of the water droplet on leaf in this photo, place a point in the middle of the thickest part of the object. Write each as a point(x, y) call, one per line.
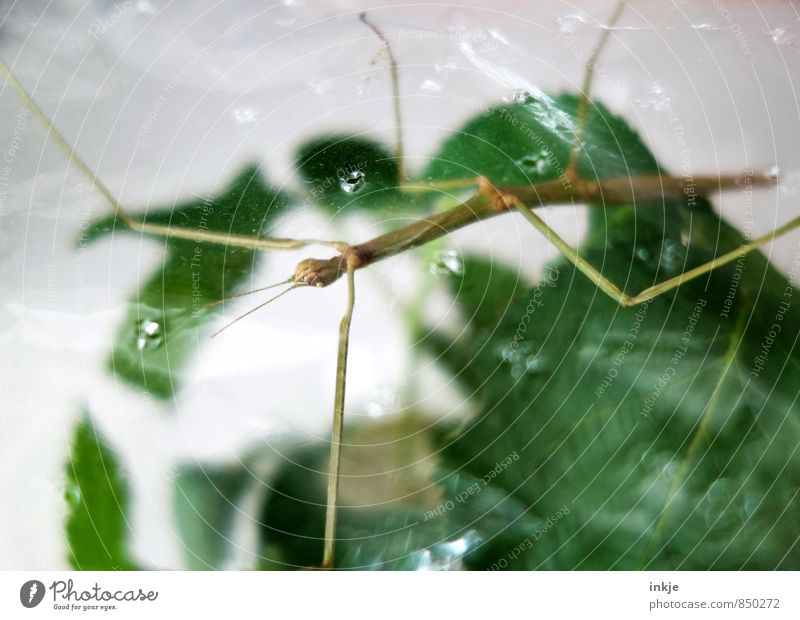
point(149, 335)
point(538, 163)
point(72, 495)
point(715, 501)
point(672, 255)
point(448, 263)
point(523, 358)
point(521, 96)
point(515, 352)
point(447, 555)
point(750, 504)
point(535, 363)
point(353, 182)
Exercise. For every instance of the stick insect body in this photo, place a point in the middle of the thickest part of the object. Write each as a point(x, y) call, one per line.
point(488, 201)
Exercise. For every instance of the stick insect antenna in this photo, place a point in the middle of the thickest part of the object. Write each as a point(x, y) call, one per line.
point(398, 119)
point(245, 293)
point(258, 307)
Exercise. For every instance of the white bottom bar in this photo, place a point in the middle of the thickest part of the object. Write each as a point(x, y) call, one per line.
point(398, 595)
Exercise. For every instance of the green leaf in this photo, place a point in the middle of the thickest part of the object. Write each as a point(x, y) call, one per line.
point(97, 526)
point(345, 172)
point(168, 313)
point(647, 422)
point(205, 507)
point(530, 141)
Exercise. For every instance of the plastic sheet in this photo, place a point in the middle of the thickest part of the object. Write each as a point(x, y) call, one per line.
point(168, 103)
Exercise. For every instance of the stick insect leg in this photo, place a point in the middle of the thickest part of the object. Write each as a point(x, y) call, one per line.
point(571, 254)
point(742, 250)
point(614, 291)
point(585, 97)
point(396, 111)
point(60, 141)
point(338, 417)
point(253, 243)
point(571, 171)
point(398, 127)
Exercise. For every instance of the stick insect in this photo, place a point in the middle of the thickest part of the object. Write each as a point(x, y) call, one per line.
point(488, 200)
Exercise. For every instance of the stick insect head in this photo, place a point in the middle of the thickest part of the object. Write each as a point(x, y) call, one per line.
point(321, 272)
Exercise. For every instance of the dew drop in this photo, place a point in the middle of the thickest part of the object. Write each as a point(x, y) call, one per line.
point(520, 96)
point(773, 172)
point(353, 182)
point(790, 182)
point(244, 116)
point(672, 255)
point(670, 470)
point(715, 500)
point(643, 254)
point(365, 85)
point(535, 364)
point(72, 495)
point(781, 37)
point(448, 263)
point(507, 354)
point(320, 86)
point(382, 401)
point(515, 352)
point(522, 358)
point(145, 7)
point(448, 555)
point(538, 163)
point(656, 98)
point(422, 560)
point(748, 507)
point(568, 24)
point(149, 335)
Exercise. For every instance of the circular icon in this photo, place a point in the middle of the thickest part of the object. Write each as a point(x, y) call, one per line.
point(31, 593)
